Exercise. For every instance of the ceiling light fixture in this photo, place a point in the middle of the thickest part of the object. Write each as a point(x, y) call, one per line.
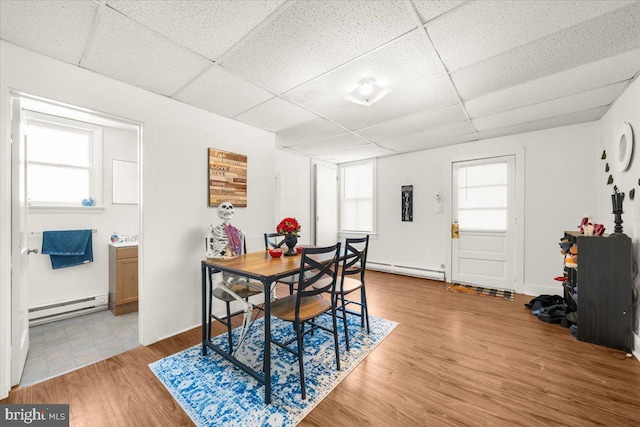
point(367, 92)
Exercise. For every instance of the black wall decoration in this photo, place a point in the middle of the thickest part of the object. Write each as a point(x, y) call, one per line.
point(627, 136)
point(407, 203)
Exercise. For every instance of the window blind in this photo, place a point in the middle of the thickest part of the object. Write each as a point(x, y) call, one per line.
point(357, 201)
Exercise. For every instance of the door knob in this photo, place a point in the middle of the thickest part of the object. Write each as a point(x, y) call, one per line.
point(29, 251)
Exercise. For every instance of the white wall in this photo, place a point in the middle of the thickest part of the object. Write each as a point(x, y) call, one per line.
point(294, 192)
point(625, 109)
point(48, 286)
point(174, 205)
point(119, 144)
point(558, 192)
point(559, 183)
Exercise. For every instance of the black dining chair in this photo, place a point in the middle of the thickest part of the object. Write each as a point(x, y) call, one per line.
point(353, 264)
point(241, 287)
point(303, 307)
point(274, 240)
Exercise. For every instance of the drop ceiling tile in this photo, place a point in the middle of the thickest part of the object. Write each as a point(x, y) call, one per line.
point(450, 130)
point(311, 37)
point(416, 123)
point(330, 145)
point(428, 10)
point(222, 93)
point(422, 96)
point(131, 53)
point(207, 27)
point(557, 107)
point(584, 116)
point(354, 154)
point(584, 78)
point(430, 143)
point(494, 27)
point(308, 131)
point(58, 29)
point(275, 114)
point(591, 41)
point(404, 62)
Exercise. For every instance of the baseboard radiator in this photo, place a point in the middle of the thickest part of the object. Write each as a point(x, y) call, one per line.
point(66, 309)
point(406, 271)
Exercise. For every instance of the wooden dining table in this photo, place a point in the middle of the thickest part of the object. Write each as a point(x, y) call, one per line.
point(258, 266)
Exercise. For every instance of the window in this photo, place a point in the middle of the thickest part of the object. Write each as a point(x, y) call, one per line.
point(64, 160)
point(482, 197)
point(358, 197)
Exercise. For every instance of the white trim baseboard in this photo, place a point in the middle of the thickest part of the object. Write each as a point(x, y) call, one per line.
point(535, 289)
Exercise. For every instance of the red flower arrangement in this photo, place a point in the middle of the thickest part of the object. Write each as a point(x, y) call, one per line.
point(288, 226)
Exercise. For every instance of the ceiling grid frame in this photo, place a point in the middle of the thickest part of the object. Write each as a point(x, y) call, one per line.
point(92, 32)
point(276, 13)
point(431, 46)
point(169, 39)
point(587, 52)
point(294, 103)
point(531, 42)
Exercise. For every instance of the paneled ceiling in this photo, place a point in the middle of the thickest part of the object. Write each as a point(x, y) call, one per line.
point(458, 71)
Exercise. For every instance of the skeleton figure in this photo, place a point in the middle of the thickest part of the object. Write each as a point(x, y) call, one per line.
point(226, 241)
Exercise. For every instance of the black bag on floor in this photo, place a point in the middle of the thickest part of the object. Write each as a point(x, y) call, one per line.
point(542, 301)
point(556, 316)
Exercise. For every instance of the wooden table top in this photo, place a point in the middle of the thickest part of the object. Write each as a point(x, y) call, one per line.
point(260, 265)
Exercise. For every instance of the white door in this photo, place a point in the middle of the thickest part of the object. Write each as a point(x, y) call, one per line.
point(483, 201)
point(325, 204)
point(19, 241)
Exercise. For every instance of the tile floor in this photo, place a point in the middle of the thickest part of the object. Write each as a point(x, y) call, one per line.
point(65, 345)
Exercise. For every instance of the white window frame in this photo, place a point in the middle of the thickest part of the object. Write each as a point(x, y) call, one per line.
point(374, 197)
point(95, 148)
point(483, 162)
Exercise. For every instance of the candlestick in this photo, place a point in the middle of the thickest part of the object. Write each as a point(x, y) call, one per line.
point(616, 202)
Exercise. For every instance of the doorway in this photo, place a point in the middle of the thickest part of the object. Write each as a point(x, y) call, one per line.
point(78, 150)
point(325, 203)
point(483, 251)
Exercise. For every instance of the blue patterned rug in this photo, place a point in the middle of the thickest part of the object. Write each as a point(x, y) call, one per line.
point(215, 393)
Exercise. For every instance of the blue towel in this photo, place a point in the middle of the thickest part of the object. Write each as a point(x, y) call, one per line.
point(68, 247)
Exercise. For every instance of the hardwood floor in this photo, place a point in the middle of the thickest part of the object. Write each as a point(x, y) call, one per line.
point(454, 360)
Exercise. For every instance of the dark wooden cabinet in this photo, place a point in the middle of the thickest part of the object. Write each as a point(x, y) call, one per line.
point(123, 279)
point(604, 281)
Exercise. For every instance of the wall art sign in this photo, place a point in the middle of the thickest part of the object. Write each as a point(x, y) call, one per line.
point(227, 178)
point(407, 203)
